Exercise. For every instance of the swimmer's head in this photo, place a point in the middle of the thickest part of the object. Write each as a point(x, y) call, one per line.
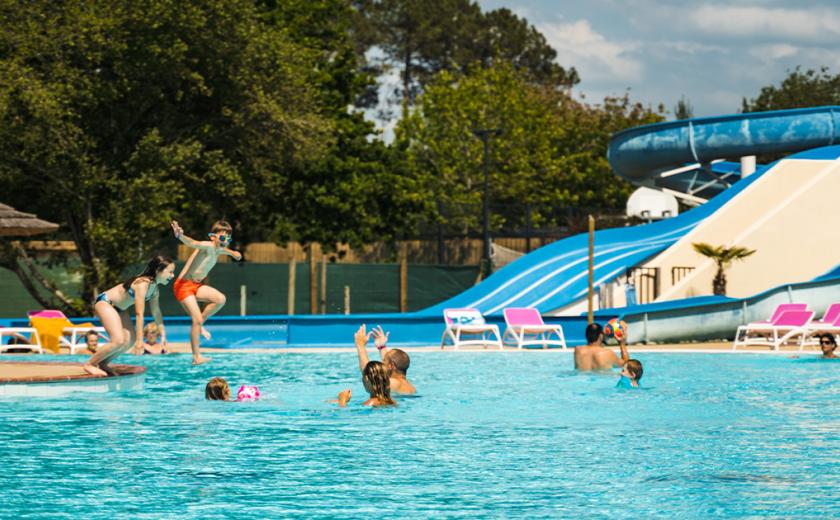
point(397, 360)
point(377, 381)
point(151, 332)
point(217, 389)
point(594, 333)
point(633, 369)
point(827, 343)
point(92, 339)
point(222, 232)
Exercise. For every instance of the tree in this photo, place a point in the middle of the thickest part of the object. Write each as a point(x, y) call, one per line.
point(116, 117)
point(683, 109)
point(799, 89)
point(348, 195)
point(425, 37)
point(723, 257)
point(552, 151)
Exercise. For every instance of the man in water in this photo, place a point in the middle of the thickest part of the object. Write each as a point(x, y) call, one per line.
point(395, 360)
point(594, 356)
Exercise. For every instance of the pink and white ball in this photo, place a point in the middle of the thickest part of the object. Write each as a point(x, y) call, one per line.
point(248, 393)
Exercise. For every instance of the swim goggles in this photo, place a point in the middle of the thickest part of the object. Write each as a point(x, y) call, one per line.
point(224, 238)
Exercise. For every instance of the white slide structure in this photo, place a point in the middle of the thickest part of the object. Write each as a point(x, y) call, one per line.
point(790, 216)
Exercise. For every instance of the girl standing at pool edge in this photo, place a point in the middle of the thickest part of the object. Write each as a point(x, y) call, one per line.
point(111, 308)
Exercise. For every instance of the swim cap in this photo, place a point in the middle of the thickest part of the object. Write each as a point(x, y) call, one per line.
point(248, 393)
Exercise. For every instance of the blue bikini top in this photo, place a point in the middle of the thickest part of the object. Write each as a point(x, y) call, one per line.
point(149, 294)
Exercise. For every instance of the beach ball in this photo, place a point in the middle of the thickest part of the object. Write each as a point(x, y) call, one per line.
point(248, 393)
point(615, 328)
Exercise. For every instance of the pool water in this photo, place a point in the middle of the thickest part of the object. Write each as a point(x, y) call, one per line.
point(491, 435)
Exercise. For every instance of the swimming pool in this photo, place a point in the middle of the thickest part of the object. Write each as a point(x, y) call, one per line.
point(492, 434)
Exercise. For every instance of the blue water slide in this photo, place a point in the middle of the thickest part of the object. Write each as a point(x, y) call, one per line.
point(556, 275)
point(639, 154)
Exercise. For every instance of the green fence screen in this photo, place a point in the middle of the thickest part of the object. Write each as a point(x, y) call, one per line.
point(373, 288)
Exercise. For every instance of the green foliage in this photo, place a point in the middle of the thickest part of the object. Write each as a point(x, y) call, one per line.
point(723, 257)
point(552, 151)
point(683, 109)
point(117, 116)
point(425, 37)
point(799, 89)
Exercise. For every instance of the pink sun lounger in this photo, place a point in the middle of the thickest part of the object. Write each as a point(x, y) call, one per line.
point(787, 326)
point(764, 327)
point(526, 327)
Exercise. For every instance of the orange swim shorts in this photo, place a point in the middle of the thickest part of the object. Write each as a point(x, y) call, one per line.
point(184, 288)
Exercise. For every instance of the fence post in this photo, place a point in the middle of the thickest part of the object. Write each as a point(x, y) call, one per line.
point(313, 281)
point(403, 276)
point(290, 304)
point(346, 299)
point(243, 304)
point(323, 284)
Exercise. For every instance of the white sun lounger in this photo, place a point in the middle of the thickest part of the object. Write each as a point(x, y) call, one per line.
point(34, 344)
point(470, 323)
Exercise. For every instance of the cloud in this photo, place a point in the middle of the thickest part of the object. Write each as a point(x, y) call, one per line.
point(591, 53)
point(816, 24)
point(774, 51)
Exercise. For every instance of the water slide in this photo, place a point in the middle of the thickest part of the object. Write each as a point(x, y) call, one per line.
point(754, 210)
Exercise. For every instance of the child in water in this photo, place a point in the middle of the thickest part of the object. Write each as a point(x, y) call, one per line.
point(151, 333)
point(631, 371)
point(378, 384)
point(217, 389)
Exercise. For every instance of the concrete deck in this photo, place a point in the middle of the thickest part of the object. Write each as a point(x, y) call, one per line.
point(710, 347)
point(37, 372)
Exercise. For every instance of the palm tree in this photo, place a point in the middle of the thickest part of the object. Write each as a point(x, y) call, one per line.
point(723, 257)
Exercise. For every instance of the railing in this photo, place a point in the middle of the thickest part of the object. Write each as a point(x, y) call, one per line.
point(678, 272)
point(646, 282)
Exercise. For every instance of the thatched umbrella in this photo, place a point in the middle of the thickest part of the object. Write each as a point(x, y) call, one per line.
point(14, 223)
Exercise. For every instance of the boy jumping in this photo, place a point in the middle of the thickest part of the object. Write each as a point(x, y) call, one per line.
point(190, 286)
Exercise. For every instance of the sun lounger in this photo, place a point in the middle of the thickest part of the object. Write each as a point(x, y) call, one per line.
point(58, 332)
point(788, 326)
point(818, 327)
point(829, 318)
point(765, 327)
point(470, 323)
point(526, 327)
point(34, 340)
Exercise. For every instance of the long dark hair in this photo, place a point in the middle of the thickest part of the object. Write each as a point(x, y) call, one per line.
point(155, 265)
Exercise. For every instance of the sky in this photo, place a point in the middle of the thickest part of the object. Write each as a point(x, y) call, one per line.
point(712, 52)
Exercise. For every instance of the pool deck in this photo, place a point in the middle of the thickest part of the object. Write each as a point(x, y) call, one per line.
point(712, 347)
point(55, 378)
point(55, 371)
point(709, 347)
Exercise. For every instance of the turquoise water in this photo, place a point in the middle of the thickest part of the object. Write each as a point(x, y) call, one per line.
point(491, 435)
